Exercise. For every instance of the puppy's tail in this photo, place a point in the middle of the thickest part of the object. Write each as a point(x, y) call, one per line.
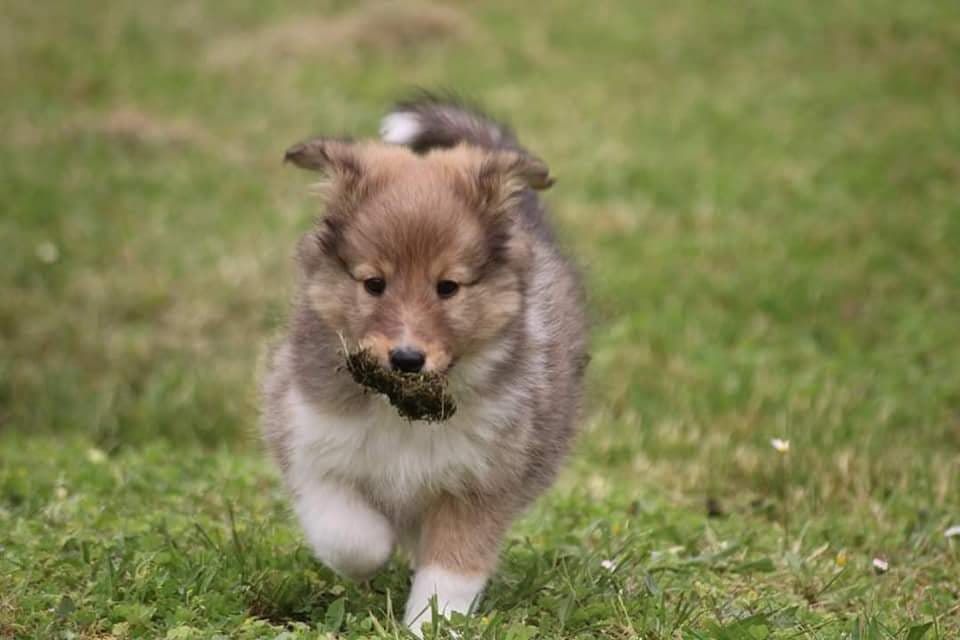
point(431, 122)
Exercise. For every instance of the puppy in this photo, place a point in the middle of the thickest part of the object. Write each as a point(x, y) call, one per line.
point(435, 253)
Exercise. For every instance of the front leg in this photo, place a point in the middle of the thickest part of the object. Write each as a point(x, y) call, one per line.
point(459, 542)
point(345, 531)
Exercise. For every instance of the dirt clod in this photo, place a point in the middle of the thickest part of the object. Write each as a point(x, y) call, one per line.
point(416, 396)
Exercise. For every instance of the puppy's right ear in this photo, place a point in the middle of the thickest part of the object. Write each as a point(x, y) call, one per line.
point(338, 160)
point(322, 154)
point(341, 186)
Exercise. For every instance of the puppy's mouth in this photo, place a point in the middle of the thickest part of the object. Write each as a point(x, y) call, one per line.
point(415, 396)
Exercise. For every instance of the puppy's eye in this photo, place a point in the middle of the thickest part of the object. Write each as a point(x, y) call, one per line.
point(375, 286)
point(447, 288)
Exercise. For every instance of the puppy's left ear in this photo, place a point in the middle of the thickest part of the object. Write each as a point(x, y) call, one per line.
point(533, 171)
point(521, 170)
point(505, 175)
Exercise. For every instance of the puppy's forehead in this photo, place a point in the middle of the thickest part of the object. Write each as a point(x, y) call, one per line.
point(415, 216)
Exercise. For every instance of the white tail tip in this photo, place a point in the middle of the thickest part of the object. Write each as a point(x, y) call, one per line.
point(400, 128)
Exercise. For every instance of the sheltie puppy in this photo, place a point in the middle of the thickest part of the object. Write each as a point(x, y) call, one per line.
point(435, 253)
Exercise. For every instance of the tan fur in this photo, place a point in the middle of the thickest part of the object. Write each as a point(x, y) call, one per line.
point(462, 534)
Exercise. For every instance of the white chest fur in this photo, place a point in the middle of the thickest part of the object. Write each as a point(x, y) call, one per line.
point(400, 461)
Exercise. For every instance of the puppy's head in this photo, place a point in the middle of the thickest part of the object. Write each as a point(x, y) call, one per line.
point(420, 259)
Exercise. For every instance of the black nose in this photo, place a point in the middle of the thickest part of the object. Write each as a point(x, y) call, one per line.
point(407, 359)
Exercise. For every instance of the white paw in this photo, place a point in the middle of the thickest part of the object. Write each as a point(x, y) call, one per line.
point(346, 533)
point(455, 592)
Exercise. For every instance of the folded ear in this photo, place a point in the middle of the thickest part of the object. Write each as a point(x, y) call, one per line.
point(530, 170)
point(505, 175)
point(339, 161)
point(322, 154)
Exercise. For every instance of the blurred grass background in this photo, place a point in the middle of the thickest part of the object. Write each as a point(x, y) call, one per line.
point(764, 196)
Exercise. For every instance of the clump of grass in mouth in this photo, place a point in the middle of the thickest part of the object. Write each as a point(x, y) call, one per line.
point(415, 396)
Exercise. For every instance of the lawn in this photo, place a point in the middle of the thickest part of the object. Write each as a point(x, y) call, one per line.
point(765, 196)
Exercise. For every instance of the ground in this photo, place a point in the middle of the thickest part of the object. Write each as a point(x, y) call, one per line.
point(765, 196)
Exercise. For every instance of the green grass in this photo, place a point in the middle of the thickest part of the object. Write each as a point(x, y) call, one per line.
point(765, 196)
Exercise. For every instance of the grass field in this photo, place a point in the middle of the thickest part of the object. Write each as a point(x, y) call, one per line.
point(766, 199)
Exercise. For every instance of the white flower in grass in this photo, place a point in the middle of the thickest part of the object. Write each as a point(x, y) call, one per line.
point(953, 531)
point(880, 565)
point(47, 252)
point(780, 445)
point(609, 565)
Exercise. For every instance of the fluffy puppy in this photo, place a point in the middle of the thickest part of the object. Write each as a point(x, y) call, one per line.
point(433, 252)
